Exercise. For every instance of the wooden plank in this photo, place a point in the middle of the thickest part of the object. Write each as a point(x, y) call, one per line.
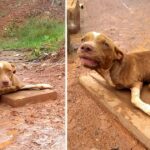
point(118, 103)
point(21, 98)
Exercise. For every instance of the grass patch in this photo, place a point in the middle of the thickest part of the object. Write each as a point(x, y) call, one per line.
point(39, 34)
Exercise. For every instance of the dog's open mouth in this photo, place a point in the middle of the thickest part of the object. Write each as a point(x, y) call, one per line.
point(88, 62)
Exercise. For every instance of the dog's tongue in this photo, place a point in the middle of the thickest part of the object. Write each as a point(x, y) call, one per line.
point(88, 62)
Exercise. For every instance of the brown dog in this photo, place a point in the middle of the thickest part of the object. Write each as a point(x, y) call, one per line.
point(9, 81)
point(120, 70)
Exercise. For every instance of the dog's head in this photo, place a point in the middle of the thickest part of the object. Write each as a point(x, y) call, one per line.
point(98, 51)
point(7, 70)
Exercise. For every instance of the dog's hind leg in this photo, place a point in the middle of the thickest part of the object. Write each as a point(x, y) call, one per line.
point(36, 86)
point(136, 100)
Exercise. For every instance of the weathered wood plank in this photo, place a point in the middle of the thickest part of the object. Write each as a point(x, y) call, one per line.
point(21, 98)
point(118, 103)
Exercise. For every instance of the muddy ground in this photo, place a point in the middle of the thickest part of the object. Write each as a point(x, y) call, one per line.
point(91, 127)
point(34, 126)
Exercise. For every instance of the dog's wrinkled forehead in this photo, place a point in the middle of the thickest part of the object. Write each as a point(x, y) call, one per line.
point(96, 34)
point(93, 36)
point(1, 65)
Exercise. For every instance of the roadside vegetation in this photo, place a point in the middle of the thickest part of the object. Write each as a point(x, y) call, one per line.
point(40, 35)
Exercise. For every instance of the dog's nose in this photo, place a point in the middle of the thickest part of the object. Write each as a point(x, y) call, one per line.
point(5, 83)
point(86, 47)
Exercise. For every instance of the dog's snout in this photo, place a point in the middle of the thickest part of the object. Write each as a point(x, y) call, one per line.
point(86, 47)
point(5, 83)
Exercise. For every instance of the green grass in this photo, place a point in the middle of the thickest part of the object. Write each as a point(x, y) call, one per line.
point(38, 34)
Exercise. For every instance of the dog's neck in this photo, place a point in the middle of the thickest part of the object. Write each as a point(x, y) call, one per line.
point(114, 62)
point(106, 73)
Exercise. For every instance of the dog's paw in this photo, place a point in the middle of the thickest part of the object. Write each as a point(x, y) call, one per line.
point(8, 90)
point(147, 112)
point(145, 108)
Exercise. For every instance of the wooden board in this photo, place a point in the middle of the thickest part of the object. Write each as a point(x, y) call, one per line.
point(118, 102)
point(21, 98)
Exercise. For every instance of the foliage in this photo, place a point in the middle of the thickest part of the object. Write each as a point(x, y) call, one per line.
point(42, 35)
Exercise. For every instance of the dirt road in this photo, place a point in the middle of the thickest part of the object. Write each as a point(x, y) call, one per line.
point(36, 126)
point(91, 127)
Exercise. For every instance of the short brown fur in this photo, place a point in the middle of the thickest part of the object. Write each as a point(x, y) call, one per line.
point(120, 70)
point(124, 69)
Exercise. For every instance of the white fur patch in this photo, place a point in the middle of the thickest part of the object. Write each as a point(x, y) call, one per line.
point(96, 34)
point(37, 86)
point(1, 65)
point(136, 100)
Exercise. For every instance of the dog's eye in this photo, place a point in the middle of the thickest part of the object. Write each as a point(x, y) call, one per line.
point(105, 45)
point(82, 40)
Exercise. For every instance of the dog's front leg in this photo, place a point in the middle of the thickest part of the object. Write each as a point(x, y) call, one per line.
point(136, 100)
point(36, 86)
point(8, 90)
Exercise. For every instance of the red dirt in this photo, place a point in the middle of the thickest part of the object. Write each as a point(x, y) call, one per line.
point(92, 127)
point(34, 126)
point(14, 11)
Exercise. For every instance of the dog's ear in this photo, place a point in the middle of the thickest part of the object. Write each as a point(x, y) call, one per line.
point(119, 54)
point(13, 68)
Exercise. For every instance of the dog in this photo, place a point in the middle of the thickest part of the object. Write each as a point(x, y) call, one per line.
point(9, 82)
point(120, 70)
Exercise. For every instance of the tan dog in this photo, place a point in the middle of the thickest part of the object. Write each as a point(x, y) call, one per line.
point(120, 70)
point(9, 81)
